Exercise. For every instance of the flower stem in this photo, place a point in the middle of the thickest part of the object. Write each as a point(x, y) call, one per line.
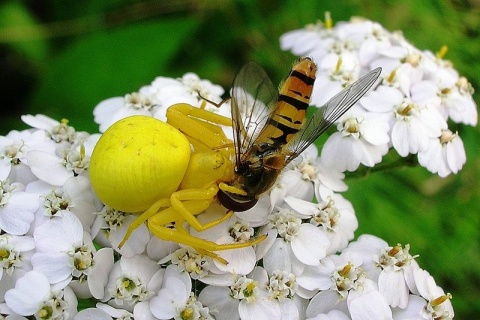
point(386, 165)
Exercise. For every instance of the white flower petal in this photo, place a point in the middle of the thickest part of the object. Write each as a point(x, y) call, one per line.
point(173, 271)
point(98, 278)
point(289, 310)
point(82, 199)
point(59, 234)
point(240, 261)
point(414, 309)
point(310, 245)
point(29, 292)
point(262, 308)
point(400, 138)
point(158, 249)
point(425, 283)
point(135, 244)
point(330, 152)
point(164, 305)
point(455, 154)
point(92, 314)
point(141, 311)
point(18, 213)
point(113, 312)
point(375, 130)
point(368, 305)
point(325, 301)
point(381, 99)
point(304, 209)
point(218, 300)
point(299, 41)
point(393, 287)
point(279, 257)
point(257, 215)
point(331, 315)
point(53, 265)
point(48, 167)
point(40, 121)
point(144, 268)
point(155, 283)
point(313, 279)
point(218, 280)
point(80, 289)
point(263, 247)
point(372, 154)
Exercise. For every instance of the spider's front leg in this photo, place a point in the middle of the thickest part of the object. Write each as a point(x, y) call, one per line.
point(180, 235)
point(199, 125)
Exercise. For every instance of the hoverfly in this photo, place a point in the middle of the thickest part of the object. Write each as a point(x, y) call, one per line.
point(271, 128)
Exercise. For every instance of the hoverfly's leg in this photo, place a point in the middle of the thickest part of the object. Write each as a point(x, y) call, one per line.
point(231, 189)
point(144, 217)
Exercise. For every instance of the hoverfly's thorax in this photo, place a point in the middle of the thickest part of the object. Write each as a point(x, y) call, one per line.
point(260, 178)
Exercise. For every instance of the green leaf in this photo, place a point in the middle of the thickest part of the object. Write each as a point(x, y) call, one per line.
point(107, 64)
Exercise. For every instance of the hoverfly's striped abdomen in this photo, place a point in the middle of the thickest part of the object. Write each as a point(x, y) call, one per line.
point(291, 106)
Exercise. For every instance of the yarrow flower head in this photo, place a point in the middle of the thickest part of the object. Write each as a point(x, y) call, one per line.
point(419, 91)
point(153, 100)
point(60, 243)
point(109, 229)
point(192, 262)
point(303, 241)
point(131, 281)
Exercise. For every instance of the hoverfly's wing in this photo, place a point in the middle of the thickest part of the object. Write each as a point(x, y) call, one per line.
point(326, 115)
point(253, 100)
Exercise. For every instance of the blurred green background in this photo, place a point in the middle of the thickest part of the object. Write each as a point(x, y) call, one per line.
point(61, 58)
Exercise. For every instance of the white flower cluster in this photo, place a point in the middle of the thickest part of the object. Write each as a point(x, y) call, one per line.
point(307, 267)
point(409, 108)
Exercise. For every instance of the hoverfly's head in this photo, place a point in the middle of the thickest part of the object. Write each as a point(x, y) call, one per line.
point(235, 202)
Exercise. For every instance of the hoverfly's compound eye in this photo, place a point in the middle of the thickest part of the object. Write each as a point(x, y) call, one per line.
point(235, 202)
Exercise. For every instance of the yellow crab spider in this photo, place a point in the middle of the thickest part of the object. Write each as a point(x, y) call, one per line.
point(169, 171)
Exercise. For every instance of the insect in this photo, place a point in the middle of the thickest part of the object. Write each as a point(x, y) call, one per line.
point(271, 129)
point(146, 166)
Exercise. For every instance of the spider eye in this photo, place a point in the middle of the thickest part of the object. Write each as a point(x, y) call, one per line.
point(235, 202)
